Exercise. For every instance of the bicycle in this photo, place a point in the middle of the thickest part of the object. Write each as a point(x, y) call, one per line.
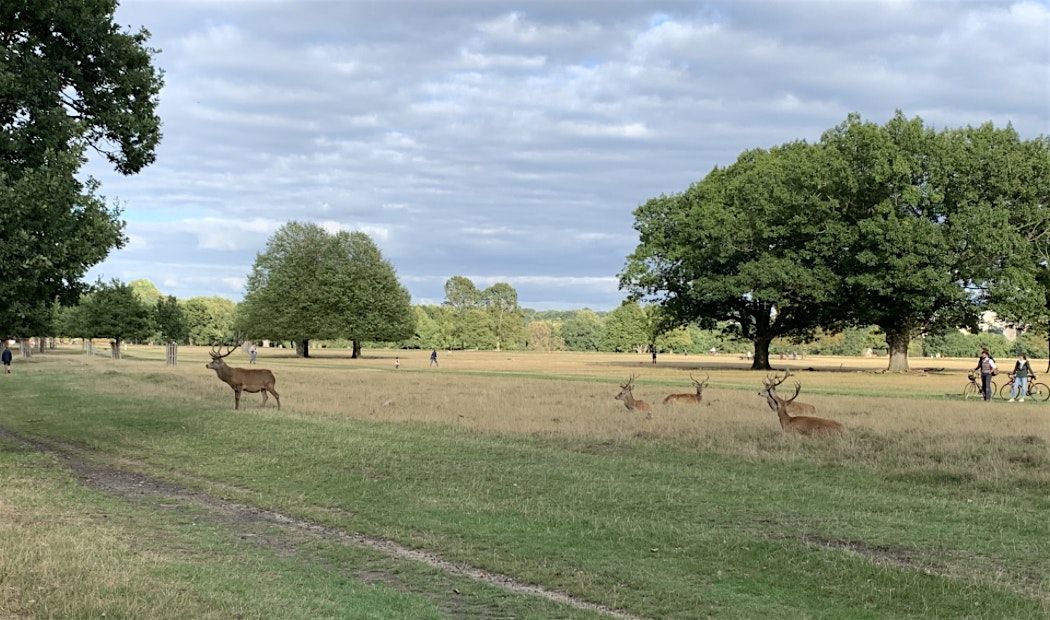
point(1036, 391)
point(973, 388)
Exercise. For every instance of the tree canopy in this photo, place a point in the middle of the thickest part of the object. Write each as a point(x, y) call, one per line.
point(752, 245)
point(70, 79)
point(481, 319)
point(894, 225)
point(114, 311)
point(309, 284)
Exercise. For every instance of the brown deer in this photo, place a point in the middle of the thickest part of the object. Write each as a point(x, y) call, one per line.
point(689, 398)
point(804, 424)
point(630, 402)
point(243, 379)
point(769, 391)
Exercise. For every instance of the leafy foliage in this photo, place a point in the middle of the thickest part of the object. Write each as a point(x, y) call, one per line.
point(209, 319)
point(170, 320)
point(310, 284)
point(893, 225)
point(751, 244)
point(69, 78)
point(114, 311)
point(55, 229)
point(583, 331)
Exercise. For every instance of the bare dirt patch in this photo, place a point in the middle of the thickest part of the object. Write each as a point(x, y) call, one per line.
point(257, 525)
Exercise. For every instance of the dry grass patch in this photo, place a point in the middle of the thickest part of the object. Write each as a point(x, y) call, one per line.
point(961, 441)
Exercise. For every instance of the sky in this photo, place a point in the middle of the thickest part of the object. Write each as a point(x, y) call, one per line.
point(512, 141)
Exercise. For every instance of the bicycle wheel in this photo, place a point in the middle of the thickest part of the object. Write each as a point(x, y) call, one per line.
point(1004, 391)
point(1039, 391)
point(995, 388)
point(971, 390)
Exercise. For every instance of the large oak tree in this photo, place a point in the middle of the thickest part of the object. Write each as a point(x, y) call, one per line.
point(751, 245)
point(941, 221)
point(70, 79)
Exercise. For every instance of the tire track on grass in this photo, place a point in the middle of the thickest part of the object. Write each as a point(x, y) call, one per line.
point(128, 484)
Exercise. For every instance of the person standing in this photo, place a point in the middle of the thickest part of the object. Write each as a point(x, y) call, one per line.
point(252, 353)
point(434, 358)
point(397, 363)
point(5, 357)
point(1022, 372)
point(986, 366)
point(653, 349)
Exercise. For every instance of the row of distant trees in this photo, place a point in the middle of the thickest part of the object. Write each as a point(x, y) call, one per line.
point(138, 312)
point(487, 319)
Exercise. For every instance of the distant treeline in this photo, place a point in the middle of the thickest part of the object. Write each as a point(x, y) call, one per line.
point(491, 319)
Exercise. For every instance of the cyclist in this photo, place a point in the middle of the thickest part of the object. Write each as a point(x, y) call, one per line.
point(1022, 372)
point(986, 365)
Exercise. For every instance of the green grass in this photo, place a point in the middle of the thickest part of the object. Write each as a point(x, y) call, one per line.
point(66, 551)
point(657, 527)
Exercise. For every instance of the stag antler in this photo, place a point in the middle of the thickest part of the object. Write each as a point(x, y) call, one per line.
point(215, 355)
point(700, 383)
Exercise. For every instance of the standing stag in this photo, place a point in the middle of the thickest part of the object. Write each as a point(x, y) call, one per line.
point(689, 398)
point(630, 402)
point(243, 379)
point(769, 391)
point(804, 424)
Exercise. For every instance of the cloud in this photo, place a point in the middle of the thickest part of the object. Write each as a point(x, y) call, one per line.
point(493, 138)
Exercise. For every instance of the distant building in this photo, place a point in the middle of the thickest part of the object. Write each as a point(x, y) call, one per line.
point(990, 323)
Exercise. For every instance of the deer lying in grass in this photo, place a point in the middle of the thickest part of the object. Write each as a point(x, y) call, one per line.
point(689, 398)
point(243, 379)
point(804, 424)
point(630, 402)
point(769, 391)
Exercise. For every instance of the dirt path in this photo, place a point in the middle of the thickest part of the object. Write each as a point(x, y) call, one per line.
point(124, 484)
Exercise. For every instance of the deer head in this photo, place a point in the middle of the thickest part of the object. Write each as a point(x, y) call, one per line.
point(217, 357)
point(700, 385)
point(625, 389)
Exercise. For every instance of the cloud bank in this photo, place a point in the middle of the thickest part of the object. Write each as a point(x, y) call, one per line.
point(513, 141)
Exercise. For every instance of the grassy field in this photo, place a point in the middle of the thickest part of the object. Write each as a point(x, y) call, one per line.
point(523, 464)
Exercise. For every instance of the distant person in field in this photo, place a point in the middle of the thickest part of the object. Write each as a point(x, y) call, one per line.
point(397, 363)
point(6, 358)
point(986, 366)
point(1022, 372)
point(434, 357)
point(654, 354)
point(252, 353)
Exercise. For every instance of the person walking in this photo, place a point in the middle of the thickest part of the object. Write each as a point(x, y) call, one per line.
point(5, 357)
point(252, 353)
point(986, 366)
point(1022, 372)
point(434, 357)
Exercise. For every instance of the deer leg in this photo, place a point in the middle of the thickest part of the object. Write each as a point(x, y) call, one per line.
point(236, 399)
point(276, 397)
point(264, 396)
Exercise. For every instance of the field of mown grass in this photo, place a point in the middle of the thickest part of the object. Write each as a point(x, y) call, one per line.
point(523, 464)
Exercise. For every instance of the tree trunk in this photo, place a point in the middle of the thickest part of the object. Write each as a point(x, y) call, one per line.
point(898, 344)
point(356, 350)
point(761, 361)
point(40, 343)
point(25, 348)
point(115, 348)
point(302, 347)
